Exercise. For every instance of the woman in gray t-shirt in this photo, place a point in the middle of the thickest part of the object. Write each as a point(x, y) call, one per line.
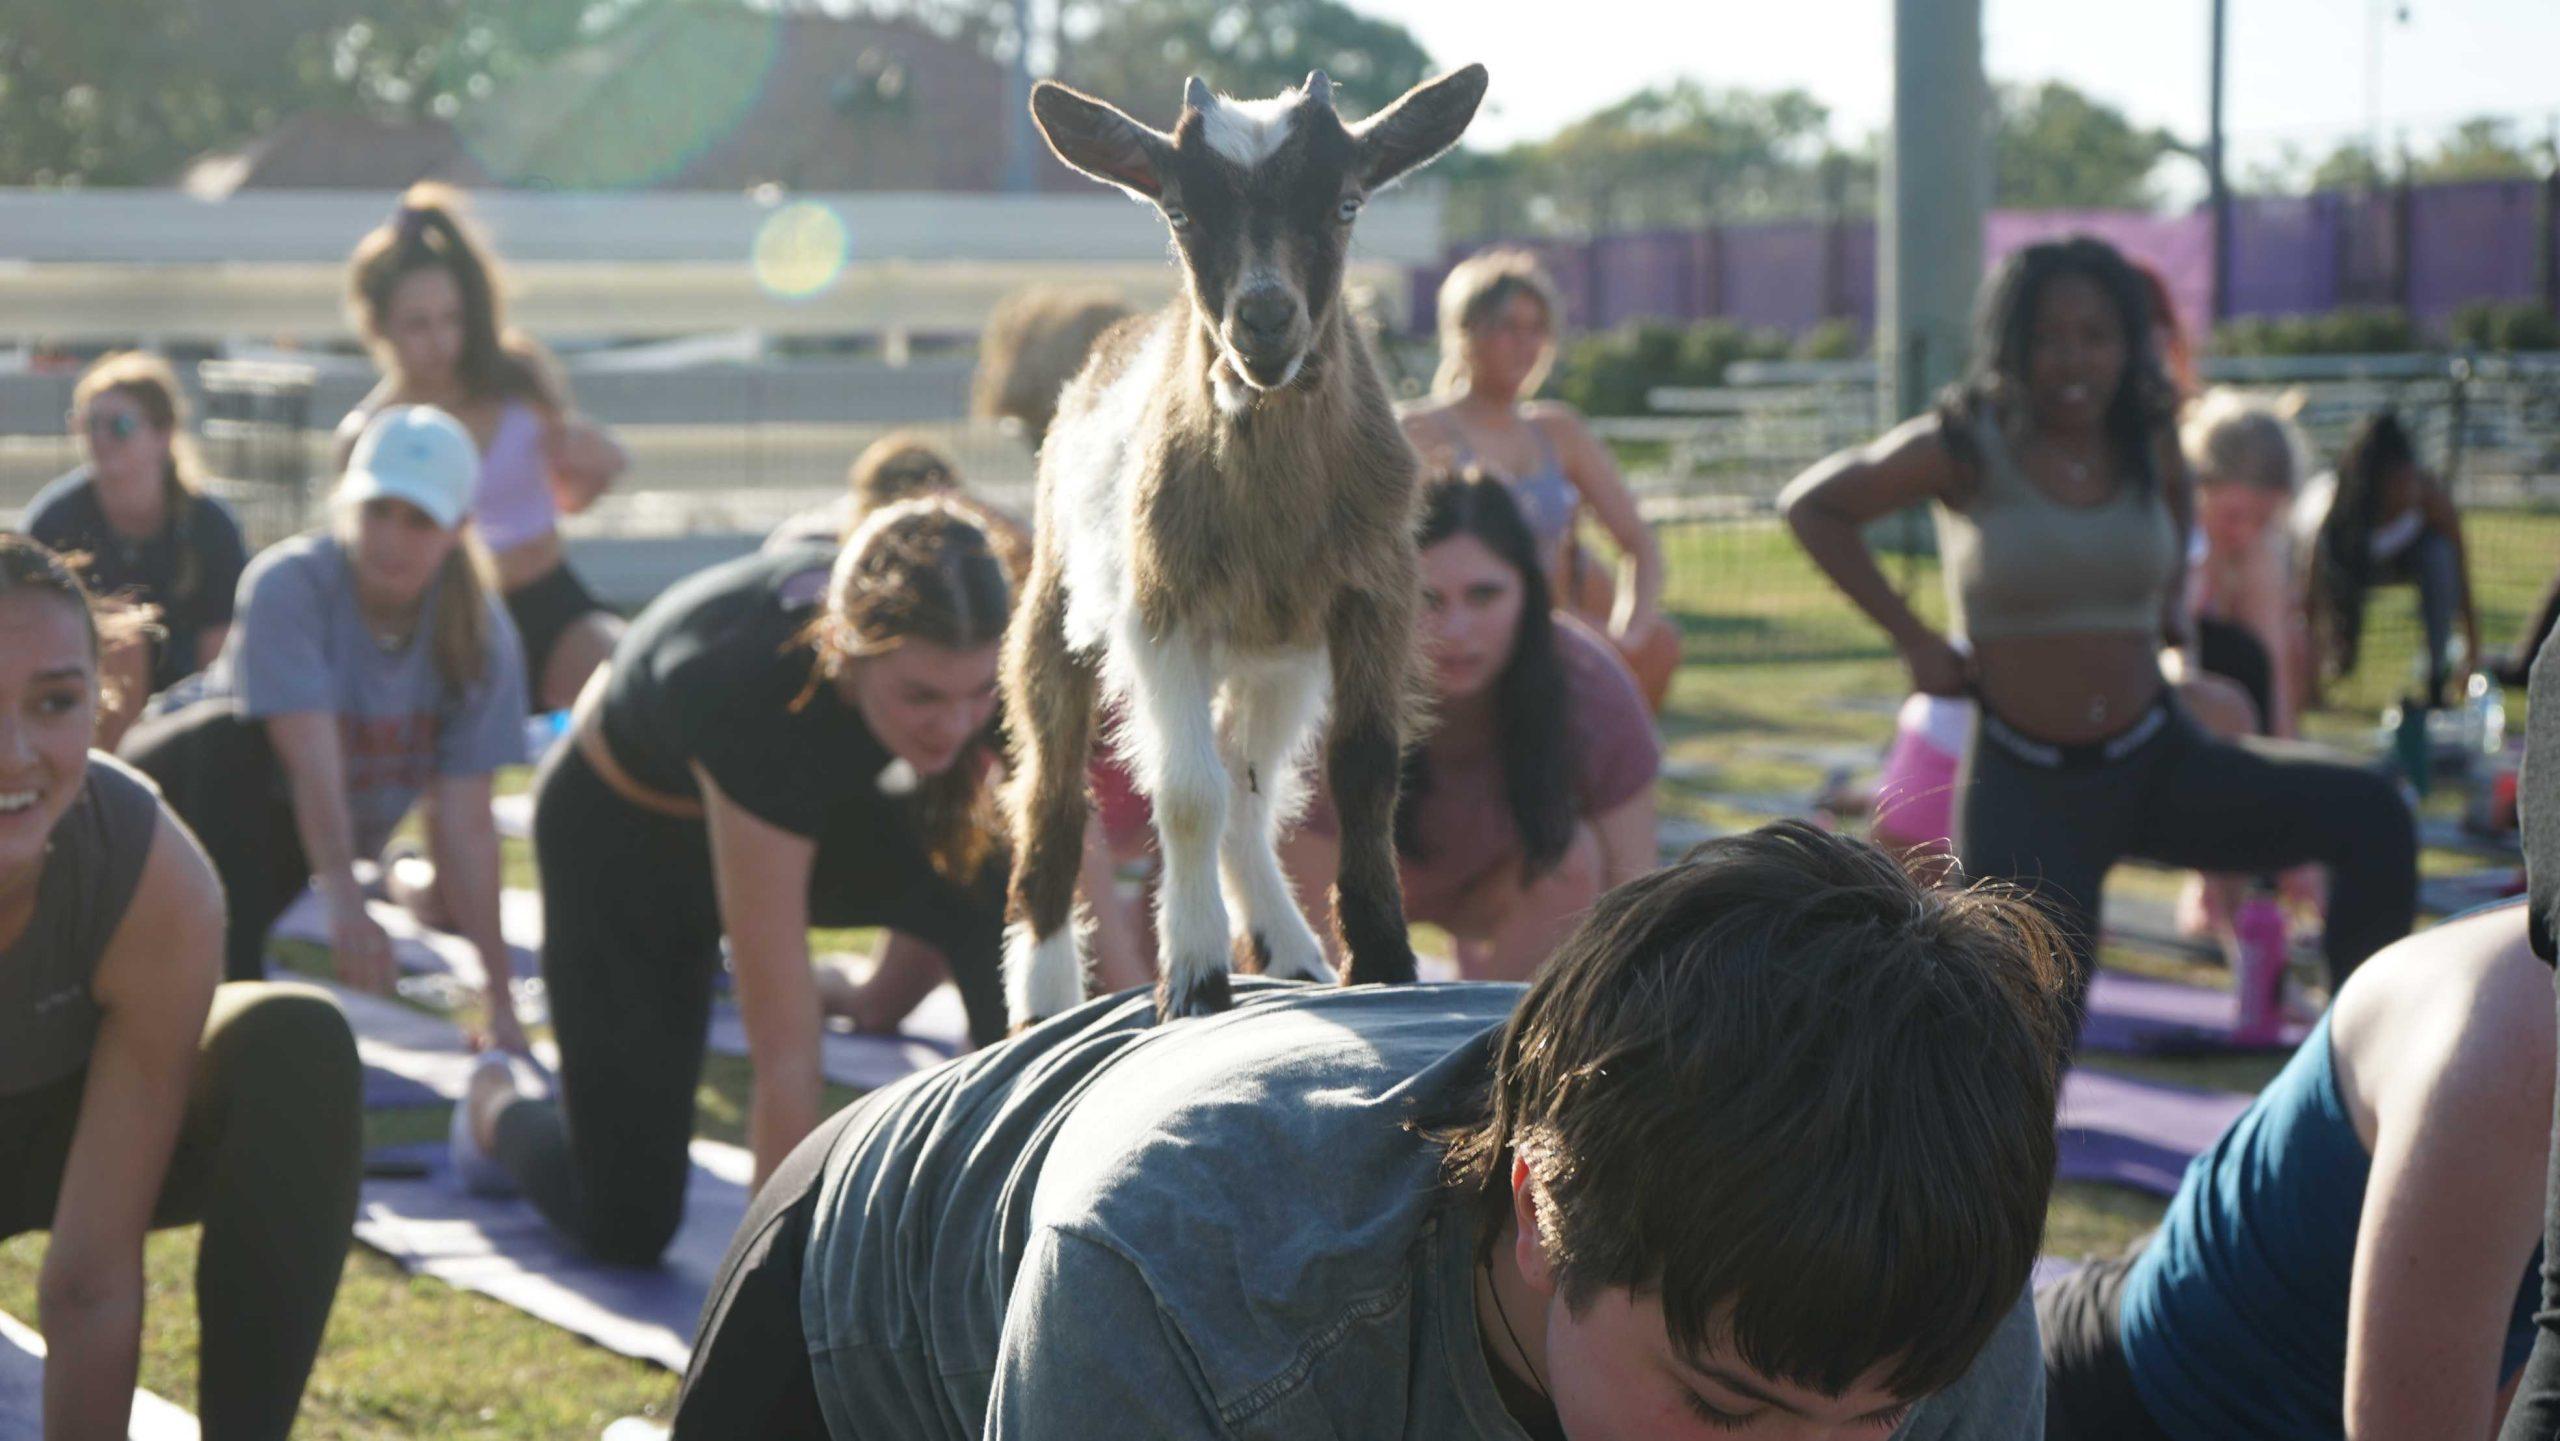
point(134, 1091)
point(370, 669)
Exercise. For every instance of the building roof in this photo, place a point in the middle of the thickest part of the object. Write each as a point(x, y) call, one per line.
point(687, 98)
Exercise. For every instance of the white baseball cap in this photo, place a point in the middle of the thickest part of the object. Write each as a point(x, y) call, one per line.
point(418, 454)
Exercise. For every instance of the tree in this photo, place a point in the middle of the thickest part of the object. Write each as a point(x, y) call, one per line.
point(2350, 166)
point(2057, 148)
point(1675, 155)
point(127, 91)
point(1136, 53)
point(2483, 148)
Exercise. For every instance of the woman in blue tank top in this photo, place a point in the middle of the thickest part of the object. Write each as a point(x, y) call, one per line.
point(2356, 1255)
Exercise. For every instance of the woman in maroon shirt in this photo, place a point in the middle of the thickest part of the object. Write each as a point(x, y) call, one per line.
point(1533, 791)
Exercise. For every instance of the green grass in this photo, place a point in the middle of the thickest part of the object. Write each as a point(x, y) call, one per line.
point(1775, 662)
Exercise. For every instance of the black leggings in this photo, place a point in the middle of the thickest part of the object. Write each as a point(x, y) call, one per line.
point(2182, 798)
point(2235, 653)
point(219, 773)
point(2089, 1393)
point(750, 1370)
point(267, 1160)
point(630, 949)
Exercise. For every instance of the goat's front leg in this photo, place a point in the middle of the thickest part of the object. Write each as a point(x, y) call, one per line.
point(1050, 695)
point(1271, 715)
point(1174, 749)
point(1371, 637)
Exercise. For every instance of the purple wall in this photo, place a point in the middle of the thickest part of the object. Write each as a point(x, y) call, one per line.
point(2432, 249)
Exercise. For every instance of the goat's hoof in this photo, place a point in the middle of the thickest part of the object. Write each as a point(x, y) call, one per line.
point(1297, 958)
point(1202, 992)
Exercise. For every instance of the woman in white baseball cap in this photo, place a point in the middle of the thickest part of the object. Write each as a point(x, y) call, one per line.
point(370, 668)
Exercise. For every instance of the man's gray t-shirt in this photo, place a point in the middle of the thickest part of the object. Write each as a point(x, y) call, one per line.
point(300, 644)
point(1221, 1228)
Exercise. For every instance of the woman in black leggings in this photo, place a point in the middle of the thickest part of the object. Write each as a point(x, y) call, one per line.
point(136, 1092)
point(797, 738)
point(2535, 1414)
point(2063, 505)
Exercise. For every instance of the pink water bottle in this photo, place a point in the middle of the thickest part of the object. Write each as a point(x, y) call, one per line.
point(2259, 930)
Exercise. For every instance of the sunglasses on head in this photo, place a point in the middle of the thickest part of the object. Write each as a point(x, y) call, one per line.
point(121, 425)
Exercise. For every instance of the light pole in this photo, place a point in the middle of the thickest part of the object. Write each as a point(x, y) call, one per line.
point(1936, 185)
point(2215, 176)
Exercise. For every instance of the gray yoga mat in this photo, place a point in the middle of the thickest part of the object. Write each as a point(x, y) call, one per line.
point(937, 1031)
point(499, 1246)
point(22, 1394)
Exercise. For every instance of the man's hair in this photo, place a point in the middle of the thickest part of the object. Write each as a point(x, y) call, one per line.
point(1801, 1099)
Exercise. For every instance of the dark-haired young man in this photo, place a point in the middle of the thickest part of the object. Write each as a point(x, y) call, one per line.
point(1765, 1150)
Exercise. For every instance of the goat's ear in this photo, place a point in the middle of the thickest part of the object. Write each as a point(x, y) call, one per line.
point(1427, 120)
point(1102, 141)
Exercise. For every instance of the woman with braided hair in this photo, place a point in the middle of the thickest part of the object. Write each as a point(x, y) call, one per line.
point(800, 737)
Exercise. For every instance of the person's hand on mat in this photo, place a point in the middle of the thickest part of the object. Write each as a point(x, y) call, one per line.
point(1937, 667)
point(360, 950)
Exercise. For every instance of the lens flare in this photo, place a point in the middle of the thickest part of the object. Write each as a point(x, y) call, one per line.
point(800, 250)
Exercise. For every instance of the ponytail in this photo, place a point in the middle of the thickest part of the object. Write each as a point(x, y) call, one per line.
point(430, 231)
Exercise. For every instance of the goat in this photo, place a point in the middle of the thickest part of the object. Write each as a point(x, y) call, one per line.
point(1224, 543)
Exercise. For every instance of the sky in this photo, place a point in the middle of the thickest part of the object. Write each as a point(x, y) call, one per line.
point(2298, 69)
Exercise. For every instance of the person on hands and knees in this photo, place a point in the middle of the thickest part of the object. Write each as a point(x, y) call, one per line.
point(1764, 1151)
point(371, 669)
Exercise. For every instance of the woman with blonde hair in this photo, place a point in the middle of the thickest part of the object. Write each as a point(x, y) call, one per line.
point(372, 670)
point(1499, 317)
point(423, 290)
point(138, 514)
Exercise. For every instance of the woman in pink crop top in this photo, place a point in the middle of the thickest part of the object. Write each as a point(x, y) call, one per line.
point(424, 291)
point(1499, 315)
point(2063, 506)
point(1534, 791)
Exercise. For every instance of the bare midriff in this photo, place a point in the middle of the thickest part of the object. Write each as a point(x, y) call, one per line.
point(2071, 687)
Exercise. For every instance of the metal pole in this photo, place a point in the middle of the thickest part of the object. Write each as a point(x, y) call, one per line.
point(2219, 179)
point(1930, 206)
point(1022, 142)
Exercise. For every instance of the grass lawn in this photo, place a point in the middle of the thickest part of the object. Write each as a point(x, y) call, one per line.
point(1779, 668)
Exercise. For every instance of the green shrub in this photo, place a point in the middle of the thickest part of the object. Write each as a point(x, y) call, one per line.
point(2504, 325)
point(1610, 373)
point(2353, 331)
point(1835, 339)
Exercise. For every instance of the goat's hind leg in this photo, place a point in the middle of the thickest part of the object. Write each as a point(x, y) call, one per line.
point(1270, 716)
point(1172, 742)
point(1050, 696)
point(1371, 637)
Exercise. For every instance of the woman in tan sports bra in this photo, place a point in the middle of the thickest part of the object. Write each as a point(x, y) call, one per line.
point(2063, 505)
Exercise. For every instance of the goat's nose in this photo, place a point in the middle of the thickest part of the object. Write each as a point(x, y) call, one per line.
point(1265, 311)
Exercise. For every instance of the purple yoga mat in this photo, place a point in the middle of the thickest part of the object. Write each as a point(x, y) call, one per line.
point(2139, 1016)
point(2138, 1133)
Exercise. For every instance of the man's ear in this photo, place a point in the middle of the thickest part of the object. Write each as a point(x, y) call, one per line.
point(1529, 1245)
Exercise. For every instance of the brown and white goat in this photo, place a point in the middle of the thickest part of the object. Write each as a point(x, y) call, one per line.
point(1225, 544)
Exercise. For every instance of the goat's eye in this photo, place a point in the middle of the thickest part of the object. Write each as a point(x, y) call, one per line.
point(1347, 209)
point(1177, 217)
